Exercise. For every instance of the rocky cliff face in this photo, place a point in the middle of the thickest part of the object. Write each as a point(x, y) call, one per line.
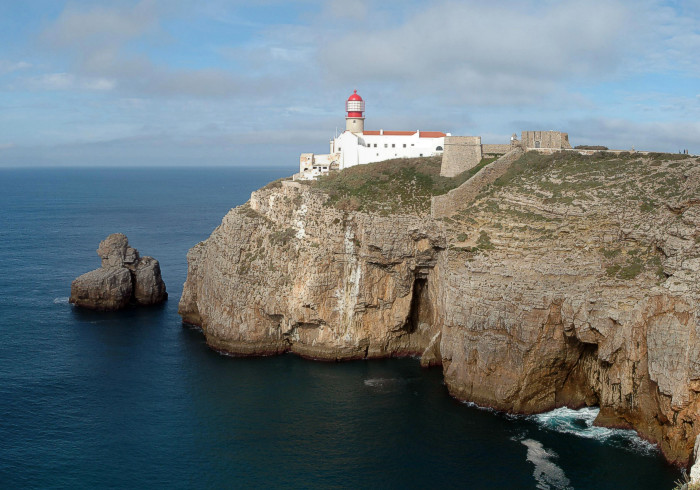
point(286, 273)
point(570, 281)
point(124, 278)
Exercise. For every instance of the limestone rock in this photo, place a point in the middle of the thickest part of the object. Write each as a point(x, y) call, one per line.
point(124, 278)
point(103, 289)
point(149, 288)
point(313, 280)
point(695, 469)
point(560, 288)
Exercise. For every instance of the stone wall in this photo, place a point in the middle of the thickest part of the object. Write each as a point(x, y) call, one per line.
point(456, 199)
point(461, 153)
point(545, 139)
point(495, 149)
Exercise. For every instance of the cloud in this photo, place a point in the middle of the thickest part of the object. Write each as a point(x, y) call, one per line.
point(273, 75)
point(347, 9)
point(67, 81)
point(97, 42)
point(624, 134)
point(486, 53)
point(7, 67)
point(6, 146)
point(99, 26)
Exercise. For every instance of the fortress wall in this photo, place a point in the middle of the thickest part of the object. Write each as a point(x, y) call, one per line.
point(565, 141)
point(456, 199)
point(495, 149)
point(547, 139)
point(461, 153)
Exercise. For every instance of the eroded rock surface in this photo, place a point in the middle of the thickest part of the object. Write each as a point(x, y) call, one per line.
point(125, 278)
point(570, 282)
point(286, 273)
point(695, 470)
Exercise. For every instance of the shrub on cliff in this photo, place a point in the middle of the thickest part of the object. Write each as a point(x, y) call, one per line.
point(399, 186)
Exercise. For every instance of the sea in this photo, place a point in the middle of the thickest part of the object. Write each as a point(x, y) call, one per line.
point(136, 399)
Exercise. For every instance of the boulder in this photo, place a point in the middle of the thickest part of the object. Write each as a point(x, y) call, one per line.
point(103, 289)
point(125, 278)
point(149, 288)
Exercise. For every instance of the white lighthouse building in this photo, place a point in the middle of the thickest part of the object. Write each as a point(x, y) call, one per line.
point(355, 146)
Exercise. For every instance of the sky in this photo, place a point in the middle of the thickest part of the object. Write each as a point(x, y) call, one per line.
point(214, 82)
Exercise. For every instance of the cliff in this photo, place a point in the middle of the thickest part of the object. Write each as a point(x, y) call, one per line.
point(570, 280)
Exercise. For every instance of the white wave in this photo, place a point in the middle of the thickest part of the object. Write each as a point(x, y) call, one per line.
point(580, 423)
point(547, 473)
point(479, 407)
point(61, 301)
point(384, 382)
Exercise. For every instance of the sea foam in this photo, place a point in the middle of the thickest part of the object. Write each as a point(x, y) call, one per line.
point(547, 473)
point(580, 423)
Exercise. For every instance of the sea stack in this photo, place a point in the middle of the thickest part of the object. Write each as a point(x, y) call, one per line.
point(124, 279)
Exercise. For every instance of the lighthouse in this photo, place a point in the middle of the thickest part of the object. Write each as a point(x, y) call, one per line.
point(355, 113)
point(355, 146)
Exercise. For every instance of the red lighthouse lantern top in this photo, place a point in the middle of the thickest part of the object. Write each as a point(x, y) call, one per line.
point(355, 106)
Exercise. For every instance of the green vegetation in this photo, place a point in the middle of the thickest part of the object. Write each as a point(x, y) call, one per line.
point(282, 237)
point(609, 254)
point(632, 263)
point(403, 185)
point(647, 206)
point(484, 242)
point(275, 183)
point(631, 270)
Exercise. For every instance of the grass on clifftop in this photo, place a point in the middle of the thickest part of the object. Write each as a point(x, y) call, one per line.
point(399, 186)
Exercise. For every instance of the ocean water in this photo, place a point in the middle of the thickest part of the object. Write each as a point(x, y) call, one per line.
point(135, 400)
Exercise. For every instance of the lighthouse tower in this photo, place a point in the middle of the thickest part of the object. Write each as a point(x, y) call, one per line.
point(355, 109)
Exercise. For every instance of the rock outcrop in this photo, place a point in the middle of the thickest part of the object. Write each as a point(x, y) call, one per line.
point(125, 278)
point(570, 281)
point(695, 469)
point(284, 273)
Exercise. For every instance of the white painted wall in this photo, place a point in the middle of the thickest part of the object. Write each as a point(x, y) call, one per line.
point(350, 149)
point(360, 149)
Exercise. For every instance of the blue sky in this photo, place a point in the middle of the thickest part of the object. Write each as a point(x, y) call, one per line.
point(184, 82)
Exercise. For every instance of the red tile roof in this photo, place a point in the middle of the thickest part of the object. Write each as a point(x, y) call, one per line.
point(423, 134)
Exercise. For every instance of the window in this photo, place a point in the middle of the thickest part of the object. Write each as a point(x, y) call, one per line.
point(412, 144)
point(375, 145)
point(404, 145)
point(339, 148)
point(439, 148)
point(537, 144)
point(377, 154)
point(386, 145)
point(393, 145)
point(421, 154)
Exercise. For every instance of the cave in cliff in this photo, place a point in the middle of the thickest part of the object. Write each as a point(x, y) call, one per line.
point(421, 307)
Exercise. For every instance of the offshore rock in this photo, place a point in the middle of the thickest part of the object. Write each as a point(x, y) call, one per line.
point(573, 281)
point(124, 279)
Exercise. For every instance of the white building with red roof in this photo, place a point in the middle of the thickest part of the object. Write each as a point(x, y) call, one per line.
point(355, 146)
